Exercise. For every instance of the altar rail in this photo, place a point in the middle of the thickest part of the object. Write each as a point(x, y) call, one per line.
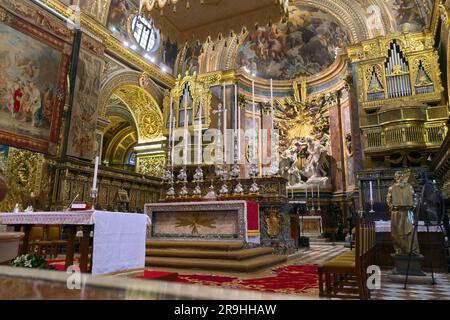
point(117, 190)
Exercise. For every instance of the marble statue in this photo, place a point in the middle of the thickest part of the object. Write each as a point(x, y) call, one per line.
point(289, 168)
point(401, 200)
point(315, 163)
point(305, 160)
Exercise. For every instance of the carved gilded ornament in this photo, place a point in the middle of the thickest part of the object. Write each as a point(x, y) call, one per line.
point(23, 173)
point(418, 51)
point(153, 166)
point(145, 110)
point(272, 221)
point(199, 90)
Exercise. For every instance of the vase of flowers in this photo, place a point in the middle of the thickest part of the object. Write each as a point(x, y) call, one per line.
point(31, 261)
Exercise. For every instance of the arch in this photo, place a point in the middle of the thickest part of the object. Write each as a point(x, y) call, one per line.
point(141, 101)
point(128, 77)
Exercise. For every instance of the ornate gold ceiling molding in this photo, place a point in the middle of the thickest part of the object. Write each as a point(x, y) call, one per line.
point(124, 78)
point(146, 112)
point(113, 45)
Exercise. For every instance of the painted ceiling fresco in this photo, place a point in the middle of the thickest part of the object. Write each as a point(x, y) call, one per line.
point(404, 14)
point(304, 45)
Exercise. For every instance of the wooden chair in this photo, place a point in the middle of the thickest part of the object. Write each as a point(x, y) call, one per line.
point(37, 240)
point(345, 276)
point(54, 236)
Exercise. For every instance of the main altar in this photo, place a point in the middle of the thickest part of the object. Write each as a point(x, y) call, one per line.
point(235, 172)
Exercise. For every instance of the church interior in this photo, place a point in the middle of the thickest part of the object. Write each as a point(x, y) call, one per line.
point(212, 149)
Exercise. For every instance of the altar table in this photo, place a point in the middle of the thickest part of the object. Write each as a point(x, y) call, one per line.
point(119, 238)
point(207, 220)
point(431, 245)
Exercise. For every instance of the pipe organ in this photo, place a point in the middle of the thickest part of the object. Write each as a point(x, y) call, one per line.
point(403, 112)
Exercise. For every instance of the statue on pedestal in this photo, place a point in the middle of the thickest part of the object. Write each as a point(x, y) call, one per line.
point(402, 200)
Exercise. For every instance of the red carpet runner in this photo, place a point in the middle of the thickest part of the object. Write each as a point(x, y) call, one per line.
point(288, 280)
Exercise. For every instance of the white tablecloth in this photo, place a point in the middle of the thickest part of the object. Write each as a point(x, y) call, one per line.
point(385, 227)
point(119, 238)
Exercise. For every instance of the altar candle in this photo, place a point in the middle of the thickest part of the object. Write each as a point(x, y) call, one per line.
point(371, 191)
point(171, 131)
point(200, 125)
point(237, 121)
point(94, 183)
point(173, 140)
point(186, 124)
point(225, 123)
point(254, 113)
point(312, 196)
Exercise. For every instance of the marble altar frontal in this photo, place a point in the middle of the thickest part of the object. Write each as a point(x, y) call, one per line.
point(198, 220)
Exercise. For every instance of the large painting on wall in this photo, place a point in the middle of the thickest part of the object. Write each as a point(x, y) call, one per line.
point(304, 45)
point(33, 76)
point(82, 135)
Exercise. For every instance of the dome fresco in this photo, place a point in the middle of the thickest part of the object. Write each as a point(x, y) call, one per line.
point(304, 45)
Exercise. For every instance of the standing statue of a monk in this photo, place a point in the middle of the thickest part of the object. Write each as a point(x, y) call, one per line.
point(402, 200)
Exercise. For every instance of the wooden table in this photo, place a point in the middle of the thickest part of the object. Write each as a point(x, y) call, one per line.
point(72, 220)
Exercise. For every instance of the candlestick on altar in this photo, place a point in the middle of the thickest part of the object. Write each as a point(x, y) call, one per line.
point(200, 127)
point(313, 208)
point(372, 201)
point(186, 128)
point(254, 120)
point(224, 124)
point(307, 206)
point(170, 128)
point(318, 199)
point(237, 122)
point(94, 190)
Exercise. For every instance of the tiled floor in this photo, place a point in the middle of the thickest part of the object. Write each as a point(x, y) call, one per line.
point(394, 291)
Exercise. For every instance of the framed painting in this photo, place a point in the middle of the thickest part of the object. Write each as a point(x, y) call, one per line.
point(33, 79)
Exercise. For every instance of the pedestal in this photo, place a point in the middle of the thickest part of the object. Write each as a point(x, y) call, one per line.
point(401, 264)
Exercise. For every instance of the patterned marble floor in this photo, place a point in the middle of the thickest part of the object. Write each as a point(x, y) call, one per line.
point(426, 291)
point(319, 254)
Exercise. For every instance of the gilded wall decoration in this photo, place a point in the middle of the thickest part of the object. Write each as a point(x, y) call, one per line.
point(32, 86)
point(152, 166)
point(23, 171)
point(145, 110)
point(85, 107)
point(272, 221)
point(39, 18)
point(97, 9)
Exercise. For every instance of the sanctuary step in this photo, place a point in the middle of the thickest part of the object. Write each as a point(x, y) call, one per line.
point(213, 245)
point(224, 256)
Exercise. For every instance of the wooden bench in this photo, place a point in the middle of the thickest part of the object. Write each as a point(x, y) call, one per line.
point(345, 276)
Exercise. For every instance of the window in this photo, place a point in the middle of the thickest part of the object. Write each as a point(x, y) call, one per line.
point(145, 34)
point(132, 159)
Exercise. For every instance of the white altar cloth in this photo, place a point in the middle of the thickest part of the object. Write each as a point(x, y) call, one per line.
point(119, 238)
